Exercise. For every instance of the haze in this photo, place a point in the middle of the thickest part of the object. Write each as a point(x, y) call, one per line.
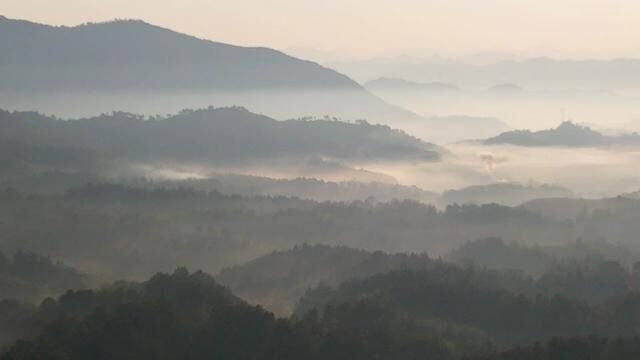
point(360, 28)
point(319, 180)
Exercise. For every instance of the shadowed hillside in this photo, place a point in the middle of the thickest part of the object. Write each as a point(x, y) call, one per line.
point(122, 63)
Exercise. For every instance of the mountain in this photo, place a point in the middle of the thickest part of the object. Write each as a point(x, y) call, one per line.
point(132, 55)
point(443, 120)
point(405, 85)
point(136, 57)
point(535, 73)
point(566, 134)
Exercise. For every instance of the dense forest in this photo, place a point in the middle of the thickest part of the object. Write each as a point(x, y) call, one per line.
point(361, 279)
point(30, 277)
point(190, 316)
point(278, 280)
point(123, 231)
point(327, 299)
point(443, 312)
point(457, 299)
point(114, 228)
point(169, 195)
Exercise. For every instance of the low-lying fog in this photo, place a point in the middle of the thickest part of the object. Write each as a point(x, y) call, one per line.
point(589, 172)
point(606, 110)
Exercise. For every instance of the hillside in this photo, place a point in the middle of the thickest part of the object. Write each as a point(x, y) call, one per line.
point(131, 232)
point(122, 55)
point(456, 299)
point(59, 65)
point(566, 134)
point(212, 136)
point(494, 253)
point(279, 279)
point(189, 316)
point(29, 277)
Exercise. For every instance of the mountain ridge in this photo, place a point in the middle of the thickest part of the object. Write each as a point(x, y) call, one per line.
point(130, 65)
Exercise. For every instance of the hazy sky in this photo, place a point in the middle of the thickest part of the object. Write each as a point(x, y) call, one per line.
point(606, 28)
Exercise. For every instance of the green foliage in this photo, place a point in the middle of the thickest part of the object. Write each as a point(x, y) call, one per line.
point(461, 298)
point(189, 316)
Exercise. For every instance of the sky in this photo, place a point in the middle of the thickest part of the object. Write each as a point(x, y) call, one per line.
point(370, 28)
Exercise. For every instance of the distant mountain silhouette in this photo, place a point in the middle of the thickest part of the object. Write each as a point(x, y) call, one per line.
point(535, 73)
point(505, 89)
point(567, 134)
point(405, 85)
point(134, 56)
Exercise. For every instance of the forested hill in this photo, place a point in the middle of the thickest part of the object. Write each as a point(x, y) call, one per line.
point(442, 313)
point(190, 316)
point(30, 277)
point(214, 136)
point(279, 279)
point(449, 298)
point(567, 134)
